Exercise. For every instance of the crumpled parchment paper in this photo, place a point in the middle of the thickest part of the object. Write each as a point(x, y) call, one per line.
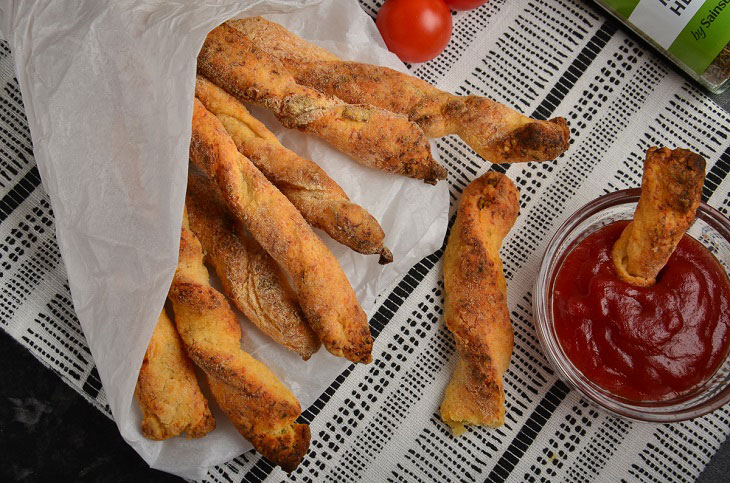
point(108, 89)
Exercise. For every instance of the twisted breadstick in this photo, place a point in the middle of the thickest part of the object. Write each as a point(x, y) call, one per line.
point(671, 189)
point(372, 136)
point(167, 390)
point(259, 405)
point(329, 303)
point(318, 198)
point(496, 132)
point(250, 277)
point(475, 303)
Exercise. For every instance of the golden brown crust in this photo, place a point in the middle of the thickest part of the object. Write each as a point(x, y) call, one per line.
point(372, 136)
point(285, 447)
point(260, 406)
point(475, 302)
point(671, 189)
point(250, 277)
point(329, 302)
point(167, 390)
point(279, 42)
point(496, 132)
point(318, 198)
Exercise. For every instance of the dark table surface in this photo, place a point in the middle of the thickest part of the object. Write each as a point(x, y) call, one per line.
point(48, 432)
point(723, 100)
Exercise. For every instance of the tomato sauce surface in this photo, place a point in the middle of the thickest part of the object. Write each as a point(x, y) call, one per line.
point(643, 344)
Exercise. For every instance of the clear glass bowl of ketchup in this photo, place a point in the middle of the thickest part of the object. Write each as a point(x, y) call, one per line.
point(711, 229)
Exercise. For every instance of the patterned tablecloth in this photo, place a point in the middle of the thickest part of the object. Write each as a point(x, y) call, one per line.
point(380, 422)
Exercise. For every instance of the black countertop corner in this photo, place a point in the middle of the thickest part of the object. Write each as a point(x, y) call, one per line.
point(48, 432)
point(723, 100)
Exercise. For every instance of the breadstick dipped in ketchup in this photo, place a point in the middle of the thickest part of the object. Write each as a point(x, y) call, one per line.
point(640, 309)
point(670, 194)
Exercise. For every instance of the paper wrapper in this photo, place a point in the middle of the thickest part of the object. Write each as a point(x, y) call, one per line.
point(108, 89)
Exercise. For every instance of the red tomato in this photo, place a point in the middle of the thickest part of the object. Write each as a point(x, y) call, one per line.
point(464, 4)
point(415, 30)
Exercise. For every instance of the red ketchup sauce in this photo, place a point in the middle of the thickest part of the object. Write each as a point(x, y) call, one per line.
point(643, 344)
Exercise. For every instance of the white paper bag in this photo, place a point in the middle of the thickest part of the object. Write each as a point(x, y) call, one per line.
point(108, 89)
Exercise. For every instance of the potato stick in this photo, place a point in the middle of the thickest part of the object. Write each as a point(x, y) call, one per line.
point(496, 132)
point(318, 198)
point(329, 302)
point(250, 277)
point(167, 391)
point(671, 189)
point(262, 409)
point(475, 303)
point(374, 137)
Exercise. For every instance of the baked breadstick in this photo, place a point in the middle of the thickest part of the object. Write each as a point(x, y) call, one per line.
point(318, 198)
point(167, 391)
point(372, 136)
point(475, 303)
point(250, 277)
point(259, 405)
point(671, 189)
point(496, 132)
point(325, 295)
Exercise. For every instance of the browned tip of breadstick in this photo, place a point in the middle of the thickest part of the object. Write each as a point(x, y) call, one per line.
point(502, 135)
point(537, 141)
point(438, 173)
point(289, 447)
point(494, 200)
point(671, 189)
point(167, 390)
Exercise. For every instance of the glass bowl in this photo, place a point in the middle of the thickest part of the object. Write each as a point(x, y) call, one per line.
point(711, 228)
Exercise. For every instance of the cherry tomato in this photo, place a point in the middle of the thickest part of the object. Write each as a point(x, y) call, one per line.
point(415, 30)
point(464, 4)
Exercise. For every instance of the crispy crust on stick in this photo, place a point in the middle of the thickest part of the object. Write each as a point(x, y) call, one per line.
point(475, 303)
point(259, 405)
point(374, 137)
point(320, 200)
point(167, 390)
point(250, 277)
point(325, 295)
point(496, 132)
point(671, 190)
